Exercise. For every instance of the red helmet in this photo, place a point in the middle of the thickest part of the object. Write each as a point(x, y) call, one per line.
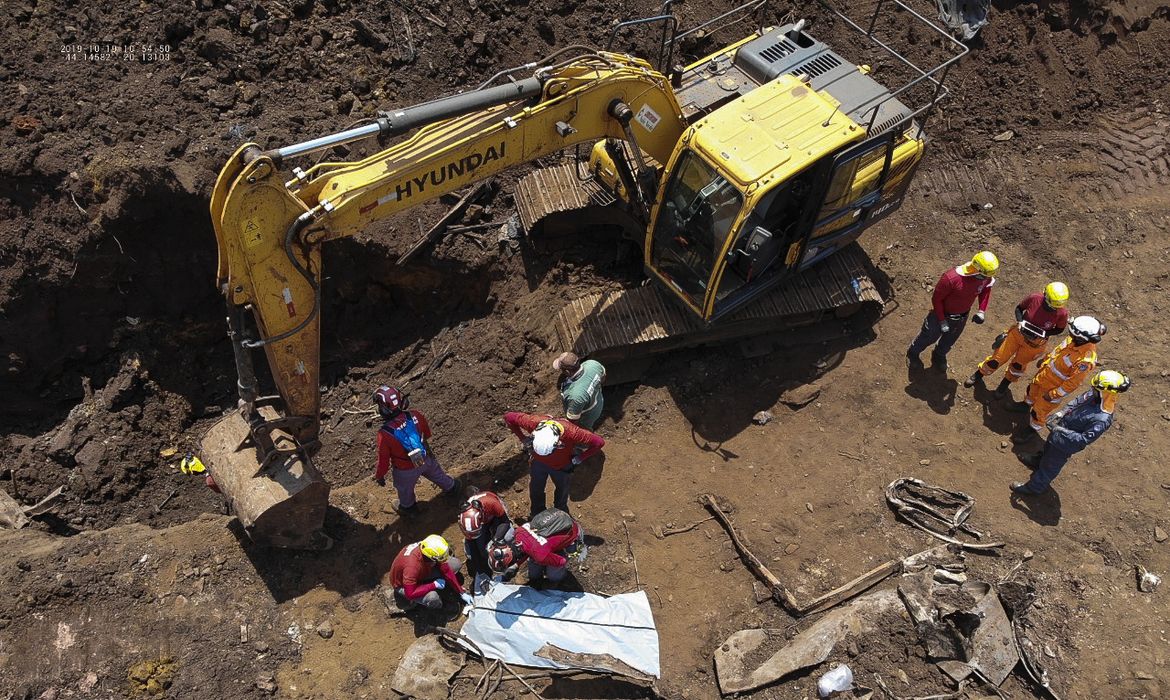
point(390, 400)
point(501, 555)
point(471, 519)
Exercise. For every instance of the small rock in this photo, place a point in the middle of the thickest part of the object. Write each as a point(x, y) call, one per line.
point(777, 539)
point(902, 676)
point(629, 515)
point(800, 396)
point(762, 418)
point(1027, 554)
point(316, 42)
point(808, 507)
point(792, 547)
point(852, 649)
point(87, 682)
point(368, 36)
point(266, 682)
point(1147, 581)
point(1003, 444)
point(924, 462)
point(1159, 534)
point(1143, 675)
point(260, 646)
point(479, 38)
point(1004, 136)
point(325, 629)
point(1049, 652)
point(49, 694)
point(726, 566)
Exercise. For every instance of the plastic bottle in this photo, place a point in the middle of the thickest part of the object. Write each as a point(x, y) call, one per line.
point(835, 681)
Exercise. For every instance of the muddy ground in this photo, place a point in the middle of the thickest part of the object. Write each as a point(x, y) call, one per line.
point(116, 359)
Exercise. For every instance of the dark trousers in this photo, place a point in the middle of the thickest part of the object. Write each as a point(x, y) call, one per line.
point(539, 474)
point(932, 333)
point(1052, 460)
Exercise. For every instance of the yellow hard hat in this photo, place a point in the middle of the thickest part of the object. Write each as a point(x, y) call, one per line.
point(435, 548)
point(1111, 380)
point(985, 262)
point(1056, 294)
point(191, 465)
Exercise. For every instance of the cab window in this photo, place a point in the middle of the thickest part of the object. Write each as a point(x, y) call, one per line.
point(697, 212)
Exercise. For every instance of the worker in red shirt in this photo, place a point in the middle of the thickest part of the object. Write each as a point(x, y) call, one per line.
point(1039, 317)
point(402, 444)
point(421, 571)
point(554, 444)
point(548, 542)
point(954, 295)
point(483, 518)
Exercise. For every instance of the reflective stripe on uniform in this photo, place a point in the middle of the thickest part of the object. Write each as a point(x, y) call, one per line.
point(1058, 373)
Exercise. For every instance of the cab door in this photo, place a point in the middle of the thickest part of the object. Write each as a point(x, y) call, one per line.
point(852, 200)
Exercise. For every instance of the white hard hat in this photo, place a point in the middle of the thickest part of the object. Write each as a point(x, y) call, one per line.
point(544, 440)
point(1087, 328)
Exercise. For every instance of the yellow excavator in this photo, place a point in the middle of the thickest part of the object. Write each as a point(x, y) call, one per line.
point(746, 176)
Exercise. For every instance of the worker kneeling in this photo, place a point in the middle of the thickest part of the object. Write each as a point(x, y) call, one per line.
point(548, 543)
point(421, 571)
point(483, 519)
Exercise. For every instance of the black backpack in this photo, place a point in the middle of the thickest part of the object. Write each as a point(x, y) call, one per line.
point(551, 522)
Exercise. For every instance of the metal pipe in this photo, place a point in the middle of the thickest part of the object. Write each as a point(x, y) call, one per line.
point(403, 120)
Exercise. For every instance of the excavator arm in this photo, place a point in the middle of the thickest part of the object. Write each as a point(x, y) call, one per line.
point(270, 225)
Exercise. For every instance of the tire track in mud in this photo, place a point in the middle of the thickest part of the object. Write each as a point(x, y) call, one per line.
point(959, 180)
point(1134, 154)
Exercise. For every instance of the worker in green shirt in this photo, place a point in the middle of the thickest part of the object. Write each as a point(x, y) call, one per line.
point(580, 387)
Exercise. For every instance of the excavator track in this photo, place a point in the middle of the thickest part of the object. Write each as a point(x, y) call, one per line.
point(558, 189)
point(632, 324)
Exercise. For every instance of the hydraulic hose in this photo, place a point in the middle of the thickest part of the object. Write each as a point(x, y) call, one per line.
point(300, 223)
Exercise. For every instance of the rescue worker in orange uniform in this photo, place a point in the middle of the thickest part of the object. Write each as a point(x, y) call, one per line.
point(1038, 317)
point(1061, 372)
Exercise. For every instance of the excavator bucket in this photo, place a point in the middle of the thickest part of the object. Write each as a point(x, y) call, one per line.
point(279, 504)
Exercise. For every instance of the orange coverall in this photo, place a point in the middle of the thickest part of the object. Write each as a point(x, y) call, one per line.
point(1017, 348)
point(1062, 372)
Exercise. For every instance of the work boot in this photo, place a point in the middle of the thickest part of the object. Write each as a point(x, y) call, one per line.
point(1030, 460)
point(938, 363)
point(913, 360)
point(404, 511)
point(1021, 487)
point(976, 378)
point(1023, 435)
point(1003, 389)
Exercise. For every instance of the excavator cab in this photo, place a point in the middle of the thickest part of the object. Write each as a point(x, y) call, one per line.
point(766, 186)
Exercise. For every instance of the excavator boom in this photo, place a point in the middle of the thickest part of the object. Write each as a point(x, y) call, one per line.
point(269, 231)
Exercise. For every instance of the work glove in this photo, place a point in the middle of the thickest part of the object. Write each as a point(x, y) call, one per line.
point(380, 480)
point(467, 599)
point(440, 584)
point(978, 317)
point(510, 572)
point(945, 327)
point(1052, 397)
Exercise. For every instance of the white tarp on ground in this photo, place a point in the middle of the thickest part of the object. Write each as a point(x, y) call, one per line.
point(512, 622)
